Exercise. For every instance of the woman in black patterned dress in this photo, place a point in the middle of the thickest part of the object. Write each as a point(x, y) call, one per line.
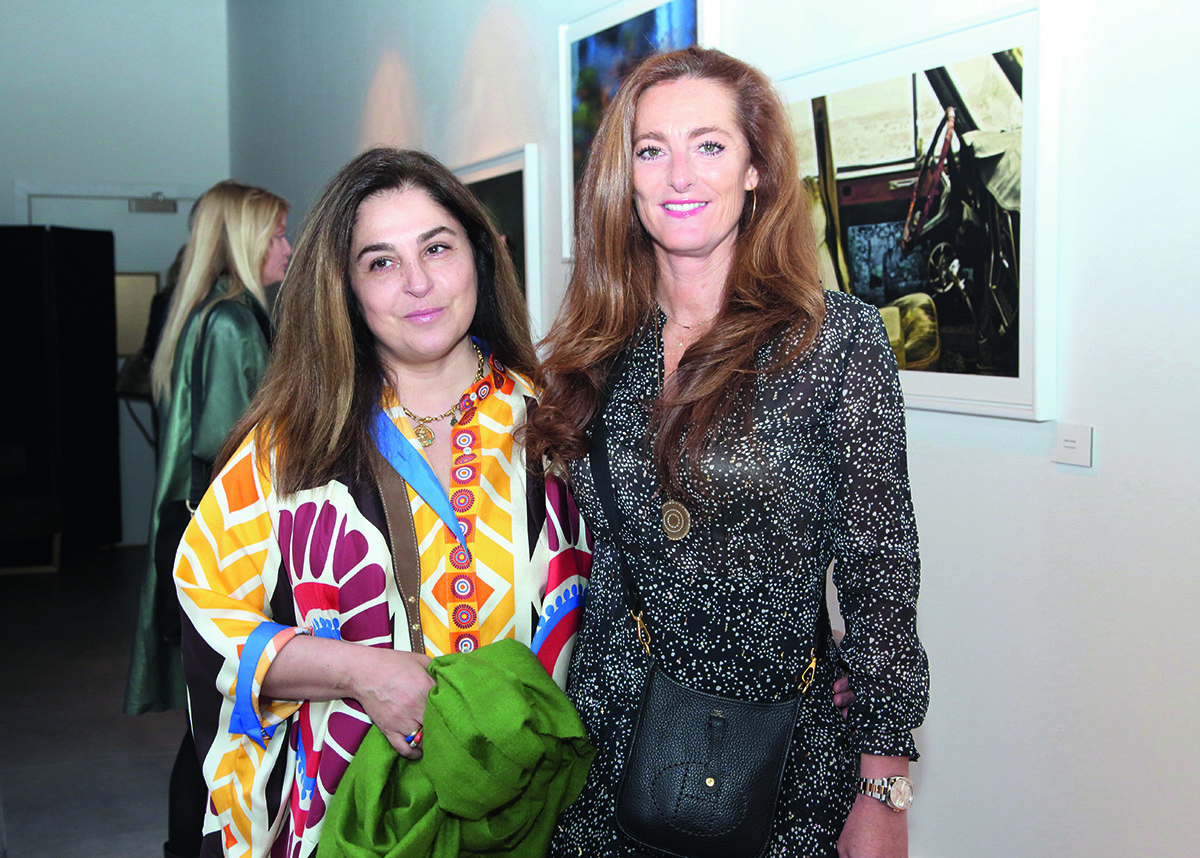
point(771, 410)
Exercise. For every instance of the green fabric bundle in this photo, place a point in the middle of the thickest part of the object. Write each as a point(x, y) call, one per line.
point(505, 753)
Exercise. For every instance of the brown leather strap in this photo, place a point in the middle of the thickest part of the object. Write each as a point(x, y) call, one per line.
point(406, 558)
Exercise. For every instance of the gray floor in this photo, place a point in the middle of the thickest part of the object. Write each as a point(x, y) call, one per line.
point(77, 777)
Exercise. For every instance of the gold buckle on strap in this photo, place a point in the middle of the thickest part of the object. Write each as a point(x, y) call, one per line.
point(643, 633)
point(810, 672)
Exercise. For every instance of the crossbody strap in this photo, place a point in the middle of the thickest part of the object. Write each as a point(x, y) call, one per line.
point(602, 478)
point(598, 458)
point(406, 558)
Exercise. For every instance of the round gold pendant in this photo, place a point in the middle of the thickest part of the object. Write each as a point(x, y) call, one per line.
point(424, 434)
point(676, 520)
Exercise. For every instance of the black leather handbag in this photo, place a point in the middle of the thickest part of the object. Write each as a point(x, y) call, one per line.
point(703, 771)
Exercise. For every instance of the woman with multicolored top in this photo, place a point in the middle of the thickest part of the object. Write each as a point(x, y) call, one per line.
point(315, 583)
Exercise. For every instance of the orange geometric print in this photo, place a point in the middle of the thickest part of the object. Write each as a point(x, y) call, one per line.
point(239, 484)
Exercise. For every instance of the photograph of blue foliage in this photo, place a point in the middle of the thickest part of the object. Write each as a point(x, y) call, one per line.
point(598, 52)
point(599, 63)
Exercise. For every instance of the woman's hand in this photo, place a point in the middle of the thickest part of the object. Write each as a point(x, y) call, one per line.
point(391, 686)
point(843, 694)
point(874, 830)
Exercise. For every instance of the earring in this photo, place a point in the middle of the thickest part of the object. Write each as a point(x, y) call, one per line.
point(753, 204)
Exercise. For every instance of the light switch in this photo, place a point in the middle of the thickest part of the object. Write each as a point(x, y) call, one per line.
point(1074, 446)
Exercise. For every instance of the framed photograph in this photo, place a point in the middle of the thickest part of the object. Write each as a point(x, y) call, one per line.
point(930, 170)
point(509, 186)
point(595, 54)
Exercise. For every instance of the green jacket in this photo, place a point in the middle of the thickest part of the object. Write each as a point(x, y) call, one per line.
point(235, 357)
point(504, 754)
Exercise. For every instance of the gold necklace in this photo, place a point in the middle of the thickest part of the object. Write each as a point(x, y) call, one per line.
point(424, 434)
point(690, 327)
point(676, 520)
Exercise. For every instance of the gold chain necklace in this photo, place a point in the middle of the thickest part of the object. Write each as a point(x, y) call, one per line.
point(676, 520)
point(688, 328)
point(424, 434)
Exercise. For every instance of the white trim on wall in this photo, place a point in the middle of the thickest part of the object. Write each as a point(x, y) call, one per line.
point(24, 192)
point(524, 159)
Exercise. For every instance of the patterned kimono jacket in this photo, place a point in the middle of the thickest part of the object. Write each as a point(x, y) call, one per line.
point(256, 568)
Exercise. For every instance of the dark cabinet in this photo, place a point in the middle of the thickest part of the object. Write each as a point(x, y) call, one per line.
point(59, 460)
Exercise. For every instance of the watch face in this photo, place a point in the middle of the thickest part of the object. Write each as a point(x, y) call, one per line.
point(900, 796)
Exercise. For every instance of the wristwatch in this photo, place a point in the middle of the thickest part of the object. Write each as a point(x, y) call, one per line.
point(896, 792)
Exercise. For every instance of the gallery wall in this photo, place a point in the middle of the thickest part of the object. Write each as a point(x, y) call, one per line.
point(125, 92)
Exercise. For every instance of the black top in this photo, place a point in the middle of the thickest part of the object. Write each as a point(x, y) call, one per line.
point(818, 473)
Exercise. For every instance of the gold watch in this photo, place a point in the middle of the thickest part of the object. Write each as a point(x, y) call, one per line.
point(896, 792)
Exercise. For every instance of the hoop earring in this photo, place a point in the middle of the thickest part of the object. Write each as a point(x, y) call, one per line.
point(753, 204)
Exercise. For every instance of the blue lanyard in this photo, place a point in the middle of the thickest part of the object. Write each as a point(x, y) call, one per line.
point(414, 470)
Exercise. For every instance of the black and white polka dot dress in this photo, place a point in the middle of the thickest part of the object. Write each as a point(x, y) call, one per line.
point(818, 474)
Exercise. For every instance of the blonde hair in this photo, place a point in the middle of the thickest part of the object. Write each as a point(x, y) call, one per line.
point(231, 233)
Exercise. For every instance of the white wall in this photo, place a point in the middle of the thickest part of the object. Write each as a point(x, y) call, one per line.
point(125, 91)
point(1059, 604)
point(123, 96)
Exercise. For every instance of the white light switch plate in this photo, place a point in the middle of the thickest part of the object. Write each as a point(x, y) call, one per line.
point(1074, 446)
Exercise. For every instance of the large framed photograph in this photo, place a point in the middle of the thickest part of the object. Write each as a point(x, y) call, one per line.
point(595, 54)
point(509, 186)
point(930, 171)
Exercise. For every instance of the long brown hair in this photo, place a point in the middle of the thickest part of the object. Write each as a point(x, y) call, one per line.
point(317, 399)
point(232, 225)
point(772, 286)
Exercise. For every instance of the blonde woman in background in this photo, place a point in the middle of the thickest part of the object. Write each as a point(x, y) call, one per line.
point(213, 351)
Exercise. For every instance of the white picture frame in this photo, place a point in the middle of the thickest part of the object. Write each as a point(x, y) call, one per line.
point(523, 160)
point(1032, 393)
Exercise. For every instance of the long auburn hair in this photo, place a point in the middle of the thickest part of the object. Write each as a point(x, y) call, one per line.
point(316, 401)
point(772, 286)
point(231, 230)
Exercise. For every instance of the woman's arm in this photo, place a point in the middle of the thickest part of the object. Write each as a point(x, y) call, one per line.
point(235, 358)
point(877, 568)
point(391, 686)
point(877, 574)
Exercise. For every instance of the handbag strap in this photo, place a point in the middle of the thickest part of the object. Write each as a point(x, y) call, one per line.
point(406, 558)
point(602, 478)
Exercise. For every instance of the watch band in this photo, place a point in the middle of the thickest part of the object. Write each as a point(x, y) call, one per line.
point(895, 792)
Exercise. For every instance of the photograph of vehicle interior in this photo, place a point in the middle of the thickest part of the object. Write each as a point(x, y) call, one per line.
point(916, 184)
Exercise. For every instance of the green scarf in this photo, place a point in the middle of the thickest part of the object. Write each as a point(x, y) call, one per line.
point(505, 753)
